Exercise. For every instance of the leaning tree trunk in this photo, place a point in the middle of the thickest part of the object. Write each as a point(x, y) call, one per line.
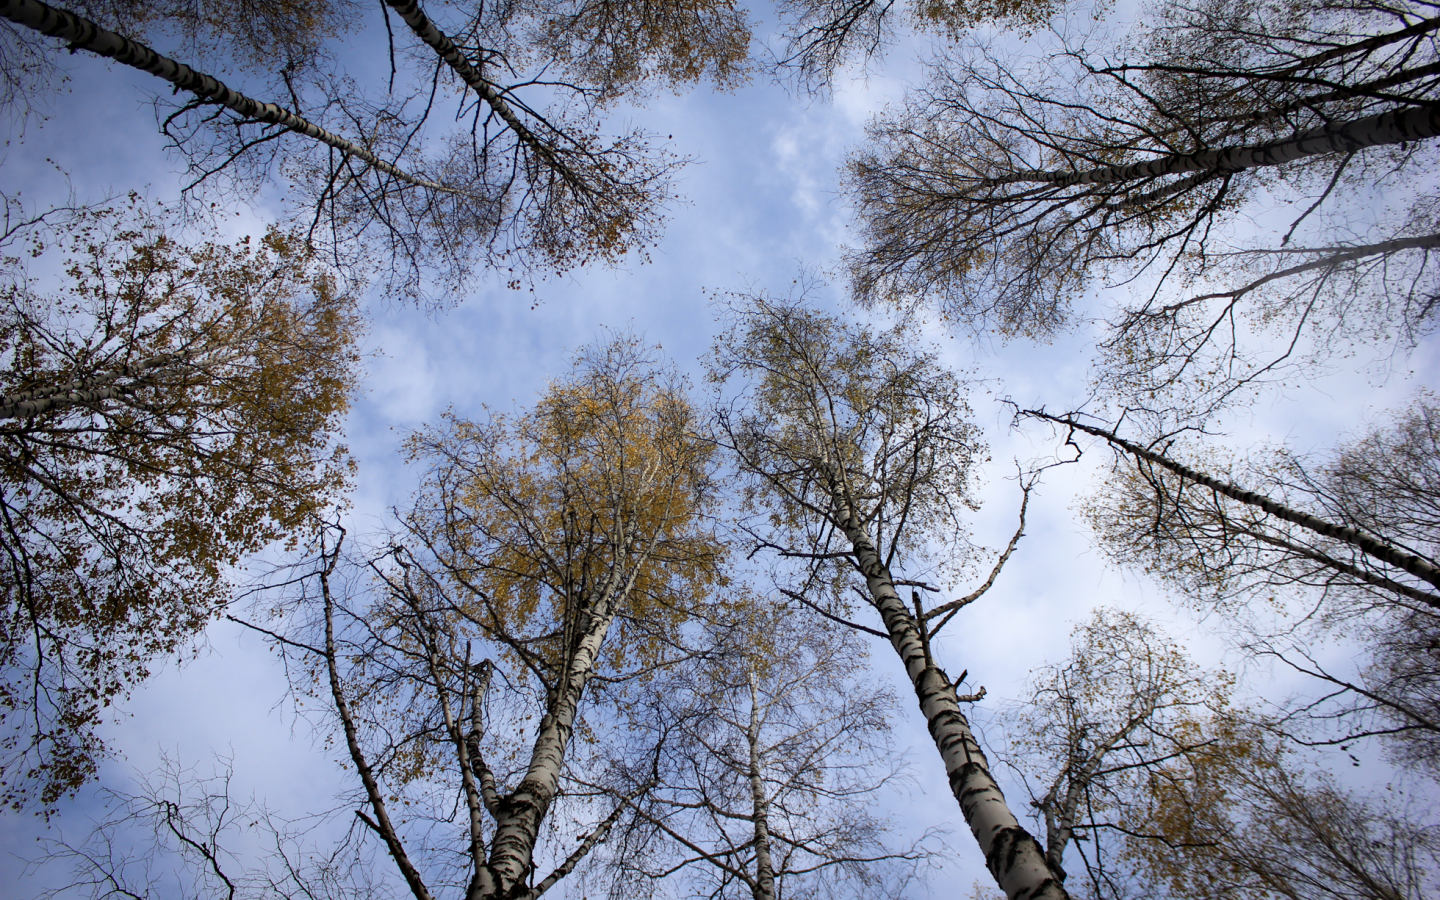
point(520, 813)
point(1396, 127)
point(82, 34)
point(1012, 855)
point(1408, 562)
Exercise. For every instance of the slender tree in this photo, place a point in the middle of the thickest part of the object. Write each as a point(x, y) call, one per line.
point(549, 563)
point(167, 410)
point(859, 448)
point(1167, 791)
point(1093, 729)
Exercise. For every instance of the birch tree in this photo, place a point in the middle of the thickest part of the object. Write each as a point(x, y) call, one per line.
point(775, 748)
point(1353, 534)
point(858, 448)
point(167, 410)
point(547, 566)
point(1092, 731)
point(526, 182)
point(1240, 818)
point(1005, 189)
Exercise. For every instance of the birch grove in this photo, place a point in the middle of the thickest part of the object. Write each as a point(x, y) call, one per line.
point(618, 641)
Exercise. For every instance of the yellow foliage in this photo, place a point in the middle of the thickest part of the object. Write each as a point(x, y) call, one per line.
point(604, 486)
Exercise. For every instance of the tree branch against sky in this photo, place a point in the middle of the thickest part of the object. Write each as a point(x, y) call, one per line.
point(535, 669)
point(1009, 186)
point(775, 760)
point(522, 185)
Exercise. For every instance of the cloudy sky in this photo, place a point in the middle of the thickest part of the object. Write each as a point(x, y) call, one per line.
point(761, 203)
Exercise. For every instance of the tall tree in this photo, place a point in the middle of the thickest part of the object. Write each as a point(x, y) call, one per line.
point(1004, 189)
point(1095, 726)
point(774, 747)
point(549, 564)
point(1174, 794)
point(167, 410)
point(859, 448)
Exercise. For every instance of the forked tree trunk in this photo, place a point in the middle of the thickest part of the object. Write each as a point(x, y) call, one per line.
point(1012, 855)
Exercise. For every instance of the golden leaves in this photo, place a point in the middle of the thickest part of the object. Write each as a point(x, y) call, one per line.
point(601, 491)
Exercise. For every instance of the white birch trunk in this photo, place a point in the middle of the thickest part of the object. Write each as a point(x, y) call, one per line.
point(519, 814)
point(83, 34)
point(99, 386)
point(763, 887)
point(1012, 855)
point(1396, 127)
point(427, 31)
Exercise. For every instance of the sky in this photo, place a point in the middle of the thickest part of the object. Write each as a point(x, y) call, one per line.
point(762, 203)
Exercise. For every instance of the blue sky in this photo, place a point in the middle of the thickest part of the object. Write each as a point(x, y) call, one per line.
point(761, 202)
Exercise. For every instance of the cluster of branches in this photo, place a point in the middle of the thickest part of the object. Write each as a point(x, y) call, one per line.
point(517, 186)
point(169, 411)
point(1006, 187)
point(1167, 790)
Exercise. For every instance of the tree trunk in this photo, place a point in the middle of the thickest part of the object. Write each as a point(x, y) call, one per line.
point(82, 34)
point(427, 31)
point(519, 814)
point(1396, 127)
point(763, 887)
point(1408, 562)
point(1012, 855)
